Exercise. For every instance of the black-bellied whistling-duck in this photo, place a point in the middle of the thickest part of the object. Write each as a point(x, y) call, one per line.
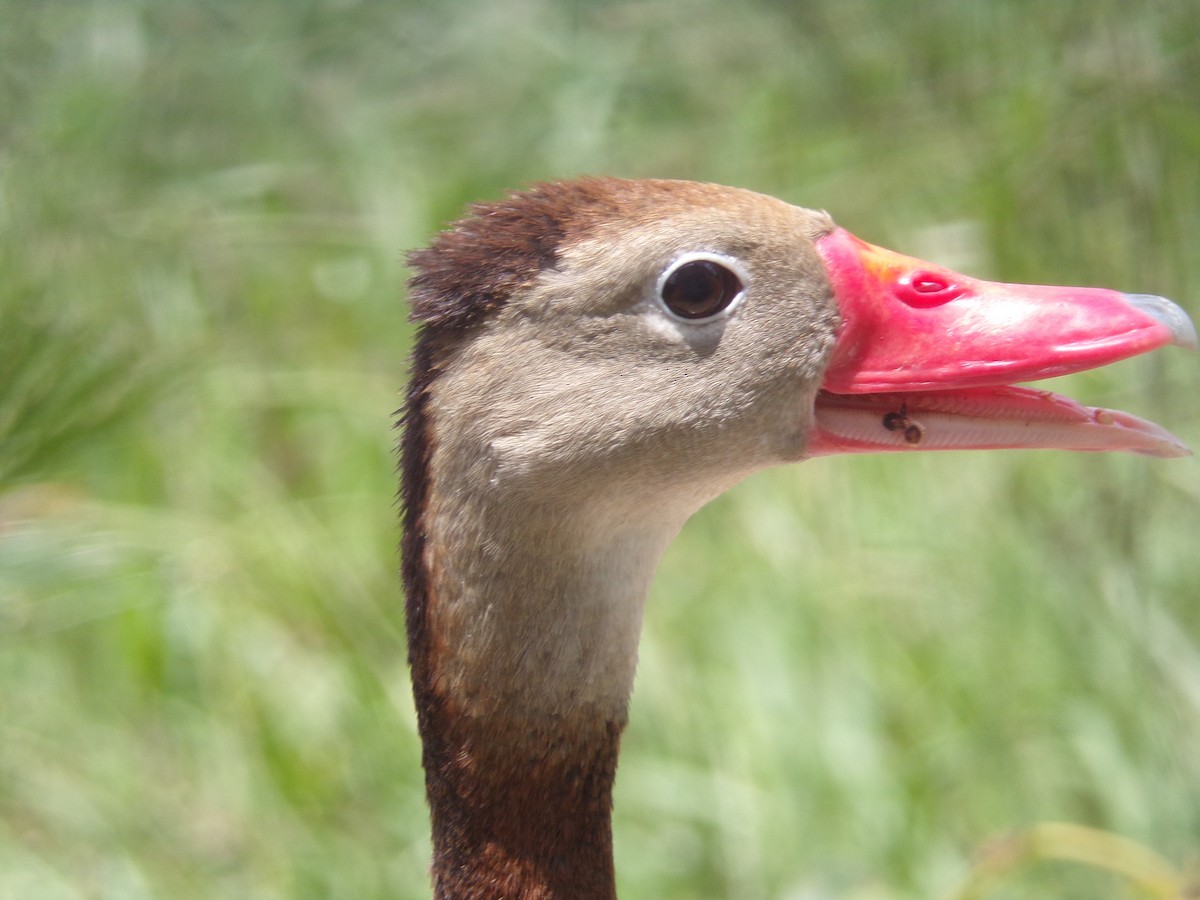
point(597, 359)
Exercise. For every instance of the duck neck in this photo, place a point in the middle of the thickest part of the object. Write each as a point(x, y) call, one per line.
point(523, 644)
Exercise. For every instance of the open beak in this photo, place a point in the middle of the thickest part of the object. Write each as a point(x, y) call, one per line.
point(926, 359)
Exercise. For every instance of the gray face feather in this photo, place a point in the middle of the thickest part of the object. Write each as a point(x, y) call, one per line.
point(575, 423)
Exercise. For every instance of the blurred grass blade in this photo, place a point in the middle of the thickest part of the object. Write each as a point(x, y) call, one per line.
point(1151, 874)
point(62, 382)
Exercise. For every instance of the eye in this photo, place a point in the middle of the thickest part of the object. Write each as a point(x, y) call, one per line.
point(699, 288)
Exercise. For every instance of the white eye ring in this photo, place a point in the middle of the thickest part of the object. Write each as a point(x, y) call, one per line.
point(688, 287)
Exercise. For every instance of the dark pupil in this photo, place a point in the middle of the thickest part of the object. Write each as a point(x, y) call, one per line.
point(699, 289)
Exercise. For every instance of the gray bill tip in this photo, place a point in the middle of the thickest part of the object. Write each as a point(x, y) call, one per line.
point(1183, 332)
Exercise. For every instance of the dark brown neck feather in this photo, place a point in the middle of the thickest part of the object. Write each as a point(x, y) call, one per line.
point(519, 815)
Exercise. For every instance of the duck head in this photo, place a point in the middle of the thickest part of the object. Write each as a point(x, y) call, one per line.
point(652, 333)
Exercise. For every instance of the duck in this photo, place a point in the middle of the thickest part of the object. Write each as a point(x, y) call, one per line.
point(594, 360)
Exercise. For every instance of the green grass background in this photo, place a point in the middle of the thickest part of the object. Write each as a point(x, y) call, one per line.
point(856, 674)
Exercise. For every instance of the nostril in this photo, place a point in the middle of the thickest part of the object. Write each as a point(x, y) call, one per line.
point(927, 284)
point(927, 289)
